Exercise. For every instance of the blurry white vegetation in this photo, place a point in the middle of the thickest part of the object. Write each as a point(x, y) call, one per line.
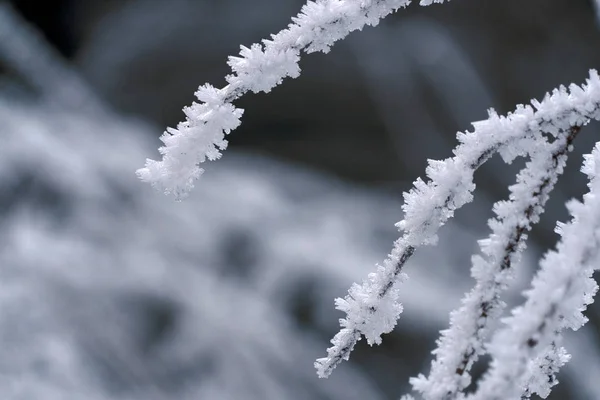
point(526, 349)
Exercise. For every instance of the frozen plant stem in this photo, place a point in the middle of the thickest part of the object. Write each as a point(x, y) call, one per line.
point(545, 367)
point(559, 293)
point(527, 352)
point(372, 308)
point(461, 344)
point(259, 68)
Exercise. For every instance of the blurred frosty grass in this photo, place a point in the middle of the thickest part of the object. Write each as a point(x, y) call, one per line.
point(110, 288)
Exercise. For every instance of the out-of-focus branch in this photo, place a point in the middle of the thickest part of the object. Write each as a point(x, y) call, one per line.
point(25, 51)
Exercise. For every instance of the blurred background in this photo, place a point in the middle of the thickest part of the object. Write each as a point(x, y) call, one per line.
point(109, 290)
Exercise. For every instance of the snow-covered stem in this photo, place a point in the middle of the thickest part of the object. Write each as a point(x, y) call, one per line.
point(527, 352)
point(460, 345)
point(259, 68)
point(372, 308)
point(546, 367)
point(559, 293)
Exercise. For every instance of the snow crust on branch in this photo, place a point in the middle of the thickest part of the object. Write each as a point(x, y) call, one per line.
point(541, 372)
point(461, 344)
point(527, 351)
point(372, 308)
point(559, 293)
point(259, 68)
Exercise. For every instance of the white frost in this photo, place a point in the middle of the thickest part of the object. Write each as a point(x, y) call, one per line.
point(259, 68)
point(559, 293)
point(370, 306)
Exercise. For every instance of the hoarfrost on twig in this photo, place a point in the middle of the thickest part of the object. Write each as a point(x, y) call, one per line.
point(372, 308)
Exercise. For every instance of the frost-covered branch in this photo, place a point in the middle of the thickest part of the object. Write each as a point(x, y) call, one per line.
point(560, 292)
point(461, 344)
point(541, 373)
point(527, 352)
point(372, 308)
point(259, 68)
